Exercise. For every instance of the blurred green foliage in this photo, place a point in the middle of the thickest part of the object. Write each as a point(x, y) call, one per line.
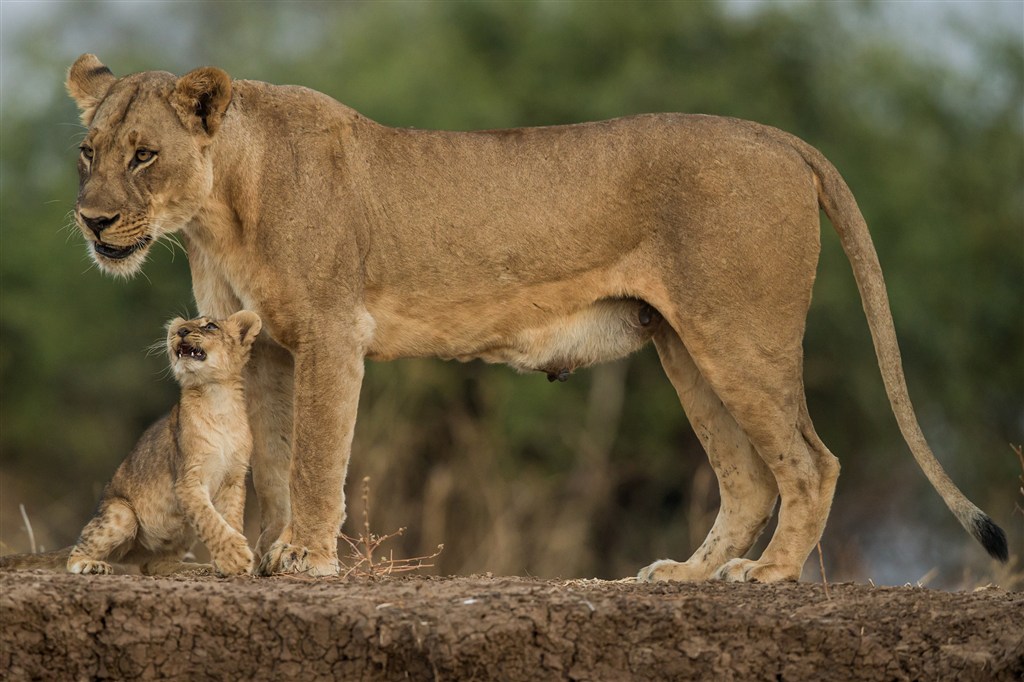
point(600, 475)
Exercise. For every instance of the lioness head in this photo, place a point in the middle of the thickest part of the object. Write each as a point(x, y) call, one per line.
point(204, 350)
point(144, 168)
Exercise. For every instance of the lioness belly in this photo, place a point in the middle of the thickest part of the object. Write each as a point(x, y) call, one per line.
point(534, 336)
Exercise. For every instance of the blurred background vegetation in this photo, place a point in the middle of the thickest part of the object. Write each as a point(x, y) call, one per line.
point(921, 110)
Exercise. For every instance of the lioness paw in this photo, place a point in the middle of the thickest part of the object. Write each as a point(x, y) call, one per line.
point(89, 567)
point(285, 558)
point(666, 569)
point(750, 571)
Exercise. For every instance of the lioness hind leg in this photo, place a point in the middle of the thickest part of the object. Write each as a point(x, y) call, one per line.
point(108, 534)
point(763, 391)
point(807, 478)
point(736, 289)
point(747, 487)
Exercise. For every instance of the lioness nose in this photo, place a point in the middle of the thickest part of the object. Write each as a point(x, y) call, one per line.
point(99, 223)
point(183, 332)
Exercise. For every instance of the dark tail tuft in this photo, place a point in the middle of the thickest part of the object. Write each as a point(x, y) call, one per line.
point(991, 537)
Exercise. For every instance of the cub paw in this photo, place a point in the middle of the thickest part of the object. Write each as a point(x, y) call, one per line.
point(235, 559)
point(286, 558)
point(89, 567)
point(750, 571)
point(665, 569)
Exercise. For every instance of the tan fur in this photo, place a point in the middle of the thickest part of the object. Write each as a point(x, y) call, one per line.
point(543, 248)
point(186, 475)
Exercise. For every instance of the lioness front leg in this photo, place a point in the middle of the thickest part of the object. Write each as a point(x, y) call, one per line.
point(269, 395)
point(328, 376)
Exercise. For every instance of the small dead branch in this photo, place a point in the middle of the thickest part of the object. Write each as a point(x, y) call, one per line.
point(362, 549)
point(821, 564)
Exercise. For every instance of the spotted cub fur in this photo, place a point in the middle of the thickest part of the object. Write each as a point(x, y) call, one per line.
point(186, 476)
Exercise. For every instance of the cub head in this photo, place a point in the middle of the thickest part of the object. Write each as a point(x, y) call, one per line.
point(144, 165)
point(204, 350)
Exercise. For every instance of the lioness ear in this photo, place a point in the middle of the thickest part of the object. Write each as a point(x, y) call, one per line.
point(201, 97)
point(249, 325)
point(88, 83)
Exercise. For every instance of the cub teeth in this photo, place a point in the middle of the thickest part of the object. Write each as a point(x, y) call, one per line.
point(194, 353)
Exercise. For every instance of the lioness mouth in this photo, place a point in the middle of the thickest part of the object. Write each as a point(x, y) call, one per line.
point(119, 252)
point(187, 350)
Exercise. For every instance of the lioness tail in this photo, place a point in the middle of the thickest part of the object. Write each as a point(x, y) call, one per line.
point(837, 200)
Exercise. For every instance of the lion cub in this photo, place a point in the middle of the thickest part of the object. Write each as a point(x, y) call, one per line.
point(186, 475)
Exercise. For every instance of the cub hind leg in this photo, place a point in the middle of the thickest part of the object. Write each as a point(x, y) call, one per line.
point(108, 535)
point(747, 488)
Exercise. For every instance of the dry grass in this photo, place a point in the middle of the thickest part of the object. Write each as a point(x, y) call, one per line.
point(1020, 456)
point(363, 549)
point(28, 528)
point(821, 565)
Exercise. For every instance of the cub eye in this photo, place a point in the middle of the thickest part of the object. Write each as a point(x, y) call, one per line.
point(143, 156)
point(86, 152)
point(210, 327)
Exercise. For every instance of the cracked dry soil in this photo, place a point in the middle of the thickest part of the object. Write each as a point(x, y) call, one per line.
point(67, 627)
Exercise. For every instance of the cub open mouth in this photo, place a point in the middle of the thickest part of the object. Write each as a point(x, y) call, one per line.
point(187, 350)
point(119, 252)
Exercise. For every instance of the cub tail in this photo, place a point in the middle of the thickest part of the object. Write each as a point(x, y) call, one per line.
point(56, 560)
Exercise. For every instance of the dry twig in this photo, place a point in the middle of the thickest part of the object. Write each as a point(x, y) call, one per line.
point(821, 563)
point(363, 548)
point(28, 527)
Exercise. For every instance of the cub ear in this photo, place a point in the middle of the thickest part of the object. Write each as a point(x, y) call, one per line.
point(201, 97)
point(88, 82)
point(249, 325)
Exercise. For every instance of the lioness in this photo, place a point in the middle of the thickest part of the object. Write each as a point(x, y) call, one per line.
point(186, 475)
point(530, 246)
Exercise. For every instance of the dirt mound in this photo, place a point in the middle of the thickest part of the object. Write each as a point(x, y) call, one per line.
point(59, 626)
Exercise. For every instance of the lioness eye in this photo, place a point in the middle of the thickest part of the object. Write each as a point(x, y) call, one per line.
point(210, 327)
point(86, 152)
point(143, 155)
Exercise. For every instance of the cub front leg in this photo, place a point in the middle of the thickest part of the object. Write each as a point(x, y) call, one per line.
point(229, 550)
point(328, 376)
point(229, 501)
